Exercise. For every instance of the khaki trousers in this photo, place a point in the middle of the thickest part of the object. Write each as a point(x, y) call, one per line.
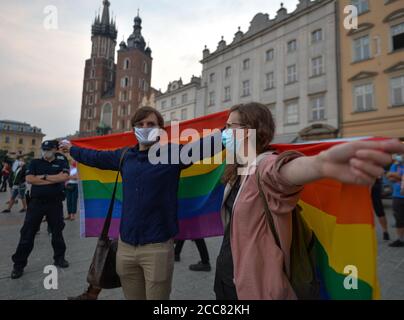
point(146, 271)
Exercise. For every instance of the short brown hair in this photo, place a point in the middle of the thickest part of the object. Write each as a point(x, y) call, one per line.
point(144, 112)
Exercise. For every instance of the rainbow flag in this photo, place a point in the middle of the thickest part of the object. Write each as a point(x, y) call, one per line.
point(340, 215)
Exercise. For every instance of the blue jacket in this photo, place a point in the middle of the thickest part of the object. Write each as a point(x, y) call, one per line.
point(149, 208)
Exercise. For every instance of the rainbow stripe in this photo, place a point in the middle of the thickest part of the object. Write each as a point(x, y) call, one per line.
point(340, 215)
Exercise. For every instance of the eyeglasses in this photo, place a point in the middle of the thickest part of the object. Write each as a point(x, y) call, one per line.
point(235, 125)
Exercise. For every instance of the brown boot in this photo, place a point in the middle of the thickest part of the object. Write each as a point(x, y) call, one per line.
point(91, 294)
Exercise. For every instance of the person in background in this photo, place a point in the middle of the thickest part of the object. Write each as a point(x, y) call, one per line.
point(396, 175)
point(18, 186)
point(204, 264)
point(5, 174)
point(72, 192)
point(47, 175)
point(378, 208)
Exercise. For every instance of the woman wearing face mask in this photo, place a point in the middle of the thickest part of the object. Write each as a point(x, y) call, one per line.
point(149, 222)
point(250, 264)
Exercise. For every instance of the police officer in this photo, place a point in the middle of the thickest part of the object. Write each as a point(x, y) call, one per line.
point(47, 176)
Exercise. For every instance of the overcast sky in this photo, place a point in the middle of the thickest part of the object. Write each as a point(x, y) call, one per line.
point(41, 70)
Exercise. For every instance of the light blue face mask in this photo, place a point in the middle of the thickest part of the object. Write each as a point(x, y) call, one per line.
point(230, 143)
point(147, 136)
point(399, 158)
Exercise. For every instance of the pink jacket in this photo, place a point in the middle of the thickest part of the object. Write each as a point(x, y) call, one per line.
point(258, 262)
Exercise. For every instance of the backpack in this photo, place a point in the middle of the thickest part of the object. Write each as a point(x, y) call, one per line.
point(303, 278)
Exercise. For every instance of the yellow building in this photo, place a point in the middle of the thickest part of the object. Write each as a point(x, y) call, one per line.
point(20, 138)
point(372, 69)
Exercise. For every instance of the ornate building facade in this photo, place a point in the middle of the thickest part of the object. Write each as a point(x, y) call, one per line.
point(112, 92)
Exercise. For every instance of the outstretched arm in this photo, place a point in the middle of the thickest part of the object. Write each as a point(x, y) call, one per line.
point(105, 160)
point(205, 147)
point(358, 162)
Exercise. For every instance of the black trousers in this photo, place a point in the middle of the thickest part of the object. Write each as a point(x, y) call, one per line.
point(377, 199)
point(224, 290)
point(37, 209)
point(200, 244)
point(3, 186)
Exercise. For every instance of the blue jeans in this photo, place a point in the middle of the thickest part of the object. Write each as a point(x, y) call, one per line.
point(72, 194)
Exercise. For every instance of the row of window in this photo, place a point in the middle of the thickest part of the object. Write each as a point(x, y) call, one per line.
point(362, 49)
point(364, 95)
point(316, 36)
point(173, 101)
point(7, 140)
point(127, 65)
point(126, 82)
point(291, 77)
point(363, 5)
point(91, 112)
point(317, 110)
point(173, 115)
point(317, 69)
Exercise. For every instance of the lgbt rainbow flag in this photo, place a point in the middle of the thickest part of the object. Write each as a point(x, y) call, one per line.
point(340, 215)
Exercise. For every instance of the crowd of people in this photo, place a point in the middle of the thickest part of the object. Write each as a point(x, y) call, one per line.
point(253, 262)
point(393, 176)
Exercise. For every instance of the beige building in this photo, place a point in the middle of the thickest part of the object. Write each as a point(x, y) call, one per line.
point(372, 69)
point(20, 138)
point(287, 62)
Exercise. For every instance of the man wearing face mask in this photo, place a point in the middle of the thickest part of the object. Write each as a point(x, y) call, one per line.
point(47, 176)
point(149, 222)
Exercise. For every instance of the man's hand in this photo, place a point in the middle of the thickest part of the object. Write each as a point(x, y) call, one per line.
point(360, 162)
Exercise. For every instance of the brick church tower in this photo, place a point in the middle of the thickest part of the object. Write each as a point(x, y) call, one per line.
point(112, 92)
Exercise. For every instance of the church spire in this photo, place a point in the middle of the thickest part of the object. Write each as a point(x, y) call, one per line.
point(136, 39)
point(105, 26)
point(105, 12)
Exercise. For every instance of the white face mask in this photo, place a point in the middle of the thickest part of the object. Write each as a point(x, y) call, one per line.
point(49, 154)
point(147, 136)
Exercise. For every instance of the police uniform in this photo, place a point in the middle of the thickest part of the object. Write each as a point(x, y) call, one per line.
point(44, 200)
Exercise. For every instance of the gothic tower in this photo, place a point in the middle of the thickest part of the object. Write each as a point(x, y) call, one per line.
point(99, 73)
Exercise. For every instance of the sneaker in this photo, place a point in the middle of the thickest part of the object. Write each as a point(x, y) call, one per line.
point(62, 263)
point(397, 244)
point(6, 211)
point(386, 236)
point(22, 210)
point(17, 273)
point(177, 258)
point(200, 266)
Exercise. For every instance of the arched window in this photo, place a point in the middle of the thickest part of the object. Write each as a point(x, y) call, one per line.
point(145, 68)
point(126, 63)
point(106, 114)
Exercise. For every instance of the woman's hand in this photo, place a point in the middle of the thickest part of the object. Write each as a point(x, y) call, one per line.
point(358, 162)
point(65, 146)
